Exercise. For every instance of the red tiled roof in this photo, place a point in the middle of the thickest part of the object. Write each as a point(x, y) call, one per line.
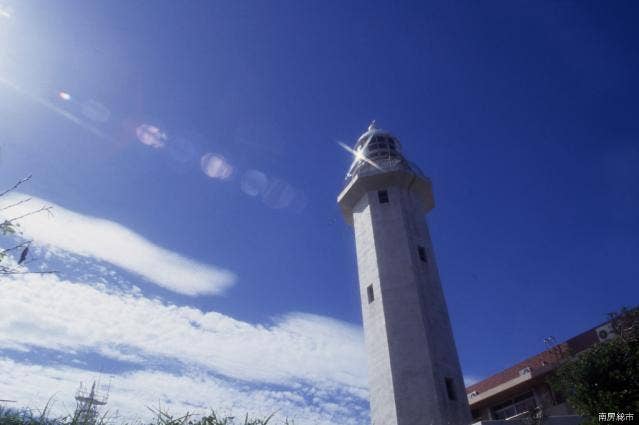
point(551, 356)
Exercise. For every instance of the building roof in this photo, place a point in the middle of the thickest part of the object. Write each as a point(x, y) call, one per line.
point(532, 367)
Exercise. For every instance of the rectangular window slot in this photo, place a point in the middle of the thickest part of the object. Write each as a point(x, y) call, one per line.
point(450, 389)
point(383, 196)
point(422, 254)
point(370, 294)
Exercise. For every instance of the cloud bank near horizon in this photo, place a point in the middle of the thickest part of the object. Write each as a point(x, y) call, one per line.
point(132, 394)
point(297, 353)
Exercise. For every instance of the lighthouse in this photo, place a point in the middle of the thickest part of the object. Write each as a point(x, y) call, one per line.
point(414, 372)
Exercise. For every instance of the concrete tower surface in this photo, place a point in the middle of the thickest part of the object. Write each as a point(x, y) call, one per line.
point(414, 372)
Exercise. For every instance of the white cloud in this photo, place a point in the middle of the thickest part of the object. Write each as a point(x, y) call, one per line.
point(111, 242)
point(131, 393)
point(309, 367)
point(47, 312)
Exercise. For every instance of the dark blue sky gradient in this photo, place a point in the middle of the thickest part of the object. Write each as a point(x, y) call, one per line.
point(524, 114)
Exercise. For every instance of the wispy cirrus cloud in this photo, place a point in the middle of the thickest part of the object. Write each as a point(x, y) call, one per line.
point(111, 242)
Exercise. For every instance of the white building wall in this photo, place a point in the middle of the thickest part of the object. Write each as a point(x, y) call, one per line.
point(381, 387)
point(408, 336)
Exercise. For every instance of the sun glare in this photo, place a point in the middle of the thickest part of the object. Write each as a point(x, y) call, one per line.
point(5, 12)
point(358, 154)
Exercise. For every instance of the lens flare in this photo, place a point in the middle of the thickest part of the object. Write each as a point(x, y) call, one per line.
point(278, 194)
point(151, 136)
point(254, 183)
point(64, 96)
point(216, 167)
point(300, 201)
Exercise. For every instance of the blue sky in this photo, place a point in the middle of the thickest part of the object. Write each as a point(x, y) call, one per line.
point(191, 153)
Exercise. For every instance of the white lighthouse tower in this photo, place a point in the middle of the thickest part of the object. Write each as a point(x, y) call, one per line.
point(414, 372)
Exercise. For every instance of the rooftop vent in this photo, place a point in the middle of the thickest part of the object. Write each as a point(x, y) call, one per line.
point(525, 371)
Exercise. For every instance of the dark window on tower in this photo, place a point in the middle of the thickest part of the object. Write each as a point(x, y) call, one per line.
point(370, 294)
point(450, 389)
point(383, 196)
point(422, 254)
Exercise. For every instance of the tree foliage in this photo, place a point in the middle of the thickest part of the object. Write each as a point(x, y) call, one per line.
point(605, 378)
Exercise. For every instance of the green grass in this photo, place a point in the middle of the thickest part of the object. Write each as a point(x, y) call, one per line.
point(42, 417)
